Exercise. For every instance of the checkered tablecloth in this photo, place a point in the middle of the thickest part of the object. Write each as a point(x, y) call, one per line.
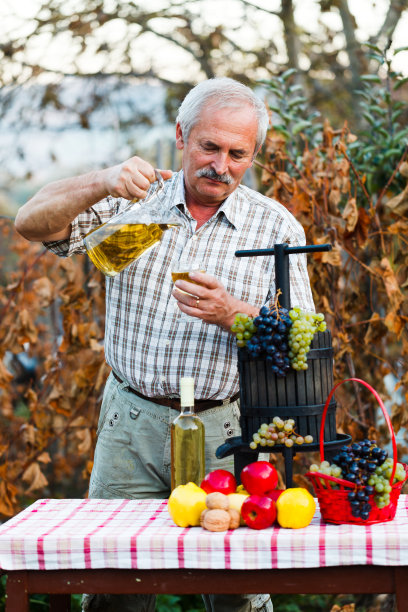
point(76, 534)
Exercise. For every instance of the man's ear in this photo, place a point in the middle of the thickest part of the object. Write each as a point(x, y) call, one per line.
point(179, 138)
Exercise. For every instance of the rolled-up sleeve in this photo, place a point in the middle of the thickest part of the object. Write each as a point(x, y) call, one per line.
point(90, 219)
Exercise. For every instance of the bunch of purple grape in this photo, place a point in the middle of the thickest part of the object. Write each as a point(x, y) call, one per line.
point(271, 339)
point(360, 464)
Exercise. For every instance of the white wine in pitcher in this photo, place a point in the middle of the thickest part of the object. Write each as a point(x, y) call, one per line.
point(123, 244)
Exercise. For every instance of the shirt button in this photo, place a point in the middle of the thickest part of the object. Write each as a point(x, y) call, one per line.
point(227, 424)
point(193, 237)
point(168, 342)
point(163, 379)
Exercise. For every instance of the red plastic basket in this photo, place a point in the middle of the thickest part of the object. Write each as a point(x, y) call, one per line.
point(334, 505)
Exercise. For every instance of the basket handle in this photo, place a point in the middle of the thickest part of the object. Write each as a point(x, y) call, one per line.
point(385, 413)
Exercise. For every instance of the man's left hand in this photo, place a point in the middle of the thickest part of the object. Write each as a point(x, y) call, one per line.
point(208, 300)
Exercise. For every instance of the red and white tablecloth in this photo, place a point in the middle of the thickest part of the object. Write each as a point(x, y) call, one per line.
point(75, 534)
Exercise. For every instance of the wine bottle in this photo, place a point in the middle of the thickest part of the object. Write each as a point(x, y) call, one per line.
point(187, 440)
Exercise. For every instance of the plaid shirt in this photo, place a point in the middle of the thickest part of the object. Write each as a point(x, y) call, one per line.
point(148, 341)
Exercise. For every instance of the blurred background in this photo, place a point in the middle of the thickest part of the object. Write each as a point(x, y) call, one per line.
point(88, 83)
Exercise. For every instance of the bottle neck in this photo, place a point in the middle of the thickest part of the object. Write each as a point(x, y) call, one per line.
point(186, 410)
point(187, 395)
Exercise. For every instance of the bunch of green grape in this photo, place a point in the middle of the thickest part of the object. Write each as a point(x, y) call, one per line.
point(380, 480)
point(278, 432)
point(367, 466)
point(304, 326)
point(243, 328)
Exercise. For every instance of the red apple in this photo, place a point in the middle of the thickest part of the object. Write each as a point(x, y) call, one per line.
point(275, 494)
point(259, 478)
point(219, 480)
point(258, 511)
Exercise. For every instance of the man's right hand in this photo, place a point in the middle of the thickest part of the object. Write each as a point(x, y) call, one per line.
point(131, 179)
point(49, 213)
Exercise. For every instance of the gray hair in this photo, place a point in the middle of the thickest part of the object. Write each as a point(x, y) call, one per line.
point(221, 92)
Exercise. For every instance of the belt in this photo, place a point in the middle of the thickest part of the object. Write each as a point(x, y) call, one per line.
point(199, 405)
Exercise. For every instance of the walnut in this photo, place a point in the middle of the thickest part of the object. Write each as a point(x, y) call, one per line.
point(216, 520)
point(235, 518)
point(202, 515)
point(217, 501)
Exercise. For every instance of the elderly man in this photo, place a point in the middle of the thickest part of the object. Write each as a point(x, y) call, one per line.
point(157, 332)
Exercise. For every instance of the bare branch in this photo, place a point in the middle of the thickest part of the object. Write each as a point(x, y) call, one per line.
point(392, 18)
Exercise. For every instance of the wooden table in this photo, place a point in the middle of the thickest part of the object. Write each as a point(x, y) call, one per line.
point(40, 547)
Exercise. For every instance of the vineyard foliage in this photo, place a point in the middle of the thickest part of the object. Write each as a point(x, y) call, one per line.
point(350, 190)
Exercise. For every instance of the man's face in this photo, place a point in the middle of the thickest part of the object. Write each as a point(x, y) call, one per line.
point(220, 148)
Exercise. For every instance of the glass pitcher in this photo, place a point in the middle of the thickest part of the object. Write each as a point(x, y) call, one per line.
point(126, 236)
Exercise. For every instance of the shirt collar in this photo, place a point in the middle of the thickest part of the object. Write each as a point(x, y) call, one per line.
point(230, 207)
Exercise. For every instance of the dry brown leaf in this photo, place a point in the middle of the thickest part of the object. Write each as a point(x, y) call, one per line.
point(79, 421)
point(44, 290)
point(68, 266)
point(394, 323)
point(34, 477)
point(5, 375)
point(27, 432)
point(8, 498)
point(332, 257)
point(57, 391)
point(27, 331)
point(375, 330)
point(363, 225)
point(84, 435)
point(334, 200)
point(399, 203)
point(44, 458)
point(399, 227)
point(399, 417)
point(404, 169)
point(391, 284)
point(286, 181)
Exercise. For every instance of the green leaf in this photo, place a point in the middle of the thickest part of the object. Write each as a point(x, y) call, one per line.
point(392, 153)
point(374, 47)
point(287, 117)
point(401, 134)
point(400, 82)
point(296, 87)
point(383, 132)
point(396, 114)
point(278, 93)
point(376, 57)
point(285, 75)
point(369, 149)
point(371, 77)
point(282, 130)
point(299, 127)
point(363, 93)
point(297, 101)
point(374, 108)
point(369, 118)
point(400, 49)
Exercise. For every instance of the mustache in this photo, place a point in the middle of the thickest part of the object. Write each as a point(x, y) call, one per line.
point(212, 174)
